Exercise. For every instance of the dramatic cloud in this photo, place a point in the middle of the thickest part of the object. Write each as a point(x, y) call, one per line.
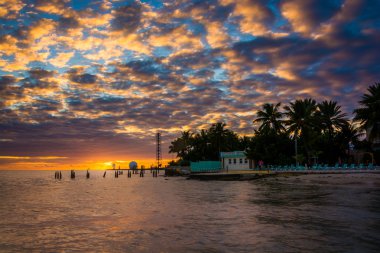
point(10, 8)
point(255, 16)
point(90, 82)
point(58, 7)
point(81, 78)
point(306, 16)
point(126, 18)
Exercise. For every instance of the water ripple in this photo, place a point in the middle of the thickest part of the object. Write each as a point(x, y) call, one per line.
point(319, 213)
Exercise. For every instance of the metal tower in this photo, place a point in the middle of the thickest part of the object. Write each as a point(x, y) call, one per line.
point(158, 150)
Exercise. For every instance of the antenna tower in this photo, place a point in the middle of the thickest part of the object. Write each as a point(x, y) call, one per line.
point(158, 150)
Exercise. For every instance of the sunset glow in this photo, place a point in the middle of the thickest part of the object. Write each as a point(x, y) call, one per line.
point(85, 84)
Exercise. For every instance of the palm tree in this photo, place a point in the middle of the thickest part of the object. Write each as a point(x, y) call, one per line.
point(300, 119)
point(349, 134)
point(201, 145)
point(218, 134)
point(330, 120)
point(181, 145)
point(369, 113)
point(330, 117)
point(270, 118)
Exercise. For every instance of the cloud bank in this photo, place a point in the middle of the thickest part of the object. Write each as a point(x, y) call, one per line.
point(85, 78)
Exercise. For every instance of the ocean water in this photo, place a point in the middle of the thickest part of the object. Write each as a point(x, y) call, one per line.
point(311, 213)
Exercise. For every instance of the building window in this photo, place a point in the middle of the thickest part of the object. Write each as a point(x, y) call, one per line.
point(245, 161)
point(234, 161)
point(229, 161)
point(241, 161)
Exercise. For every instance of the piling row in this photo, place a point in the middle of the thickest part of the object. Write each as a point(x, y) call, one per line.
point(58, 175)
point(154, 172)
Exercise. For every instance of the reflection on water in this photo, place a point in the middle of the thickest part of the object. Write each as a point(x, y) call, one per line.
point(315, 213)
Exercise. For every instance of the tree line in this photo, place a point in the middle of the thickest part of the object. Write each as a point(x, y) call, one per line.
point(303, 131)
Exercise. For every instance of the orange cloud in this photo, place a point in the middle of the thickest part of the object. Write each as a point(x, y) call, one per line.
point(38, 38)
point(95, 20)
point(296, 17)
point(32, 157)
point(180, 39)
point(52, 6)
point(254, 16)
point(9, 9)
point(216, 35)
point(61, 59)
point(42, 28)
point(133, 42)
point(8, 45)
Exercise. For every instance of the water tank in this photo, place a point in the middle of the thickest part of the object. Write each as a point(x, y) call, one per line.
point(133, 165)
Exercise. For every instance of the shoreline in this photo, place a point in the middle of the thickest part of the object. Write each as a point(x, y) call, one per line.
point(255, 175)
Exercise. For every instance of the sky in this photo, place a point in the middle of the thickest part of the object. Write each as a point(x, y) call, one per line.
point(84, 84)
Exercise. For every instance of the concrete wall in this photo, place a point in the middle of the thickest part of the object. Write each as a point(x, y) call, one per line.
point(235, 164)
point(205, 166)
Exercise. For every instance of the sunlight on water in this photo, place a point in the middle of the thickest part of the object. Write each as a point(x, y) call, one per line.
point(318, 213)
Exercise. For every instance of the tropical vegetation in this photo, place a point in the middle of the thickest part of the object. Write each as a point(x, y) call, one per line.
point(369, 114)
point(303, 131)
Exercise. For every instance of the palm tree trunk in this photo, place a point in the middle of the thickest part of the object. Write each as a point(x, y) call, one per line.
point(296, 148)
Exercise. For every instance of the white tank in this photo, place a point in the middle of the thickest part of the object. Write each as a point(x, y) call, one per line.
point(133, 165)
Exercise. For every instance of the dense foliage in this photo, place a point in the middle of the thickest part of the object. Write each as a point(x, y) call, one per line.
point(369, 112)
point(316, 132)
point(206, 144)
